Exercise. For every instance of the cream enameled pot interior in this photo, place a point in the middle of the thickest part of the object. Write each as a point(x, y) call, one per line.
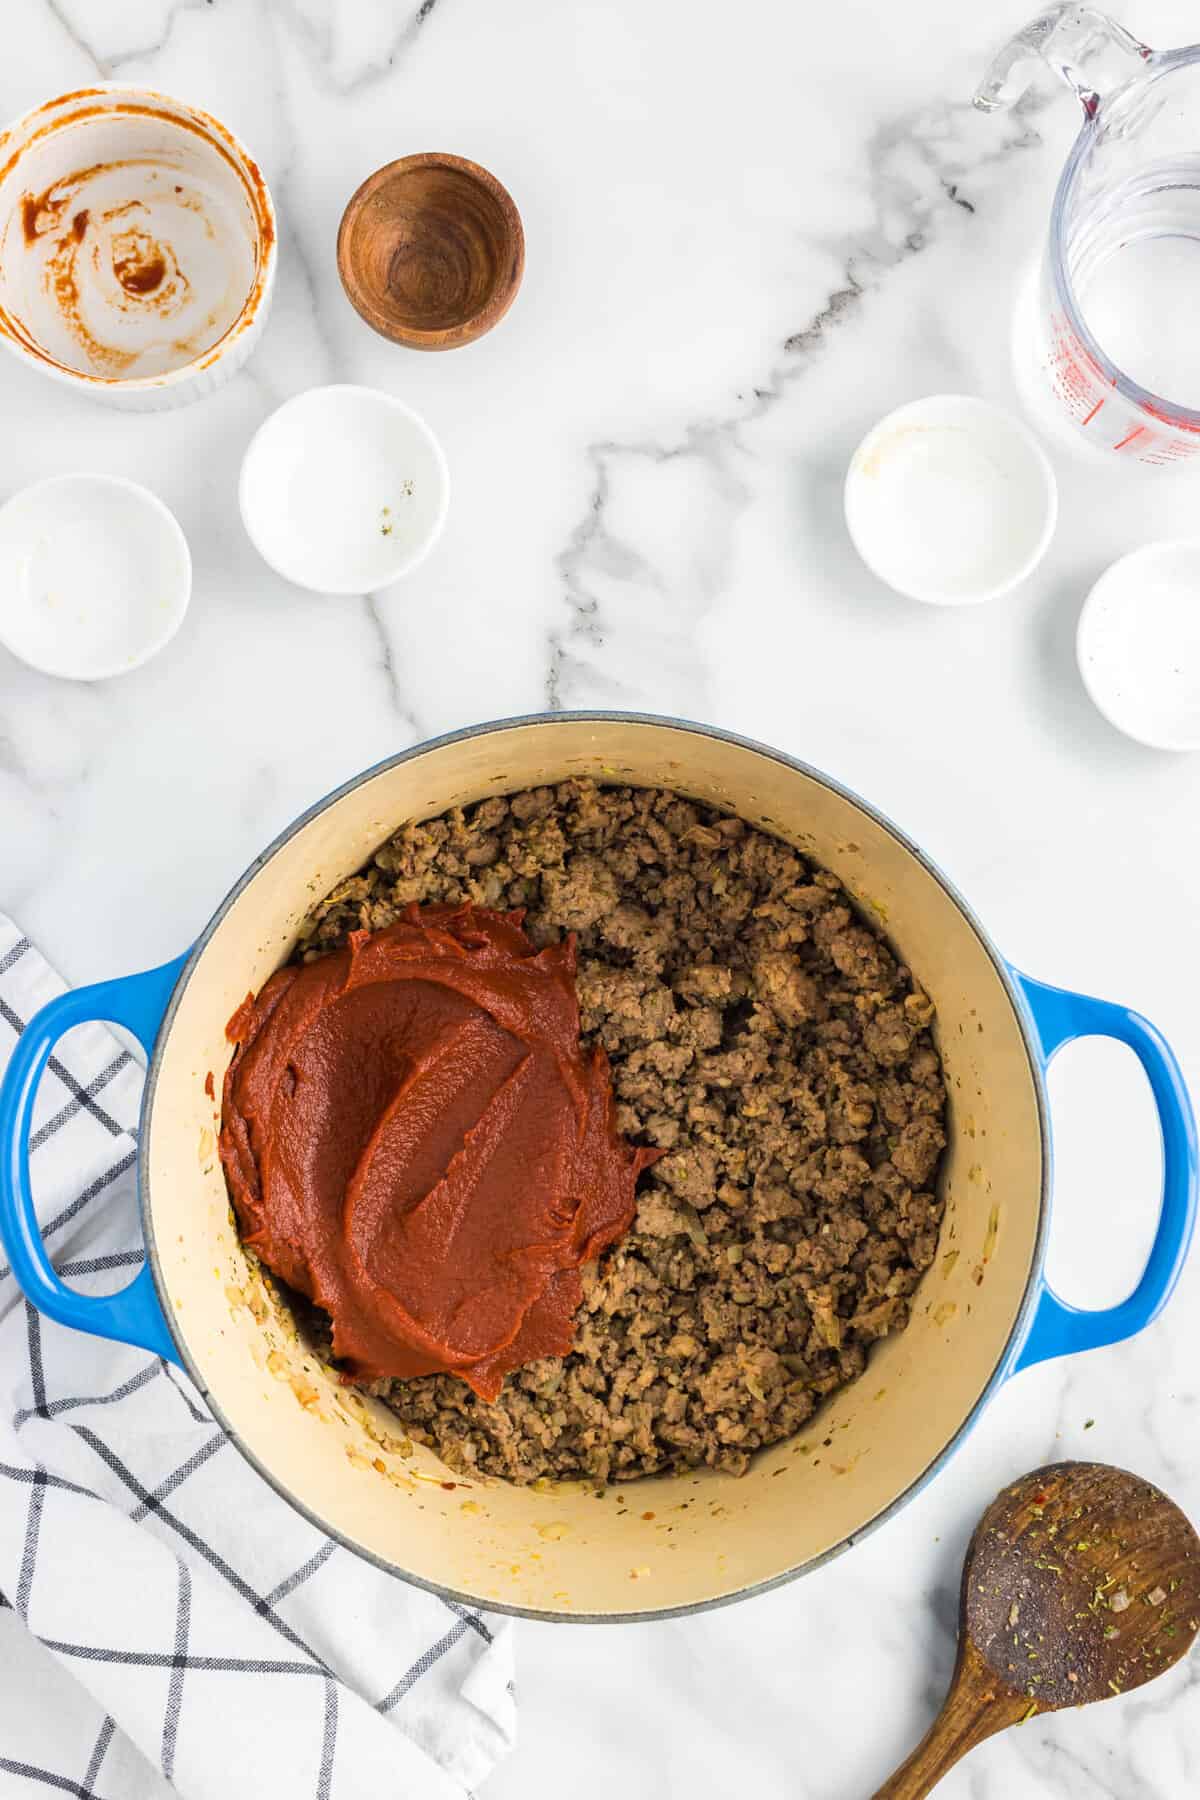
point(657, 1544)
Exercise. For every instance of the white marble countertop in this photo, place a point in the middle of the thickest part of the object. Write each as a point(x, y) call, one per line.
point(751, 230)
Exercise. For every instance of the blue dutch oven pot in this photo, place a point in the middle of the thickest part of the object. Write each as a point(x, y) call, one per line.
point(983, 1313)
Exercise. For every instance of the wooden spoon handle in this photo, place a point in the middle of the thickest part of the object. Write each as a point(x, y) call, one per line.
point(977, 1706)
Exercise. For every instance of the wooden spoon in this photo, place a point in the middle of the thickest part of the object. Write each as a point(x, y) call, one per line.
point(1081, 1582)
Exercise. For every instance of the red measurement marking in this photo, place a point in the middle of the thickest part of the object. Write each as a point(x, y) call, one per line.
point(1135, 433)
point(1095, 410)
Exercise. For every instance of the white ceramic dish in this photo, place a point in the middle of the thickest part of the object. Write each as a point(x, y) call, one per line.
point(1138, 644)
point(137, 246)
point(344, 489)
point(950, 500)
point(95, 576)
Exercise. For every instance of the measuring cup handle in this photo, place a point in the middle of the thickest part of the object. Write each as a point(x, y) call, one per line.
point(1084, 48)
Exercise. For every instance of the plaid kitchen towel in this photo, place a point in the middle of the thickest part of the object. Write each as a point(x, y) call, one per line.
point(164, 1616)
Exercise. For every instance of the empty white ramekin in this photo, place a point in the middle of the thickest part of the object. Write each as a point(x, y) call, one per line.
point(950, 500)
point(344, 489)
point(95, 576)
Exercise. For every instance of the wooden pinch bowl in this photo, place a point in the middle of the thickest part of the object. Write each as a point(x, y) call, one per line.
point(431, 251)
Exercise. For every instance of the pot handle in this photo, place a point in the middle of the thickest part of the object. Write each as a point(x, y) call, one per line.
point(133, 1316)
point(1059, 1329)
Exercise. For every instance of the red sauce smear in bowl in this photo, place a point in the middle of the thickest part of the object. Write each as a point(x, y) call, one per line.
point(414, 1137)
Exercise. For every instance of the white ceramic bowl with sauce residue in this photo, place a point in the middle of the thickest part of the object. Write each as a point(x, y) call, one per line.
point(137, 246)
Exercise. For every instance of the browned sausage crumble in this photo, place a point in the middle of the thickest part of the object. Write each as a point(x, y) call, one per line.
point(765, 1036)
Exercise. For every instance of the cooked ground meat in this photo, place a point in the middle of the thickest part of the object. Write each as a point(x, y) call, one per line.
point(765, 1036)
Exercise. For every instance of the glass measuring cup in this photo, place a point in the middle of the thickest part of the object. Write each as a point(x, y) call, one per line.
point(1112, 319)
